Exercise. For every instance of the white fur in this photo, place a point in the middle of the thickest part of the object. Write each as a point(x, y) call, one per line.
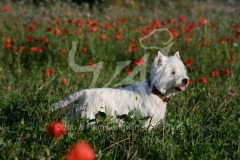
point(137, 96)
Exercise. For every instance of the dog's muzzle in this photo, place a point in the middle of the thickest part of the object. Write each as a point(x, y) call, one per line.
point(183, 86)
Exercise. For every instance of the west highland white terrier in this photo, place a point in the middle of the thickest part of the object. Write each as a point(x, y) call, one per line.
point(168, 77)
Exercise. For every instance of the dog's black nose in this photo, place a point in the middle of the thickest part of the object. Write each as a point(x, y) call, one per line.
point(185, 81)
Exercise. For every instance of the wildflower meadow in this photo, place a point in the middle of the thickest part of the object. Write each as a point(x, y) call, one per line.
point(116, 41)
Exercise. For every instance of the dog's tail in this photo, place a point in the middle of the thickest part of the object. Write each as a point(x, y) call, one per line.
point(70, 99)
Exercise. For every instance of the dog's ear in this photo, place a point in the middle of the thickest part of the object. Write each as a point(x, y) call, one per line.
point(160, 58)
point(177, 54)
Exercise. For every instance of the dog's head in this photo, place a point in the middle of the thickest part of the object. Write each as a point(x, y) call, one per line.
point(169, 74)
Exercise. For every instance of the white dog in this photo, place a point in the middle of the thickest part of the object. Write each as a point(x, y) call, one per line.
point(168, 77)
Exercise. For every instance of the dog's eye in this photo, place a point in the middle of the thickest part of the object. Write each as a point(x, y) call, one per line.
point(173, 72)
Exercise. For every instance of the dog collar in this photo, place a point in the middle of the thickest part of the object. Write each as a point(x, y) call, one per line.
point(157, 92)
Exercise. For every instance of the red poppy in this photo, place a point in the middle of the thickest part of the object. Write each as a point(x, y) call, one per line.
point(178, 27)
point(94, 24)
point(188, 62)
point(103, 37)
point(94, 29)
point(39, 50)
point(132, 47)
point(189, 27)
point(203, 80)
point(226, 71)
point(215, 73)
point(64, 52)
point(107, 27)
point(182, 19)
point(57, 32)
point(202, 21)
point(138, 62)
point(118, 37)
point(206, 42)
point(238, 34)
point(164, 23)
point(122, 20)
point(49, 71)
point(56, 129)
point(8, 47)
point(79, 23)
point(117, 23)
point(84, 50)
point(128, 71)
point(78, 32)
point(188, 39)
point(171, 20)
point(175, 34)
point(28, 39)
point(222, 41)
point(66, 31)
point(31, 28)
point(20, 49)
point(50, 28)
point(64, 82)
point(91, 64)
point(235, 26)
point(89, 22)
point(6, 8)
point(37, 39)
point(170, 29)
point(232, 38)
point(8, 40)
point(231, 60)
point(145, 31)
point(155, 24)
point(58, 21)
point(34, 23)
point(190, 81)
point(70, 156)
point(81, 151)
point(33, 49)
point(70, 21)
point(43, 40)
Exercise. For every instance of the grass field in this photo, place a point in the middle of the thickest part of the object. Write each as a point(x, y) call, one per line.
point(201, 123)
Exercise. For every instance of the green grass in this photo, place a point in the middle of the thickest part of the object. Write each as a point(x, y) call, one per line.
point(201, 123)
